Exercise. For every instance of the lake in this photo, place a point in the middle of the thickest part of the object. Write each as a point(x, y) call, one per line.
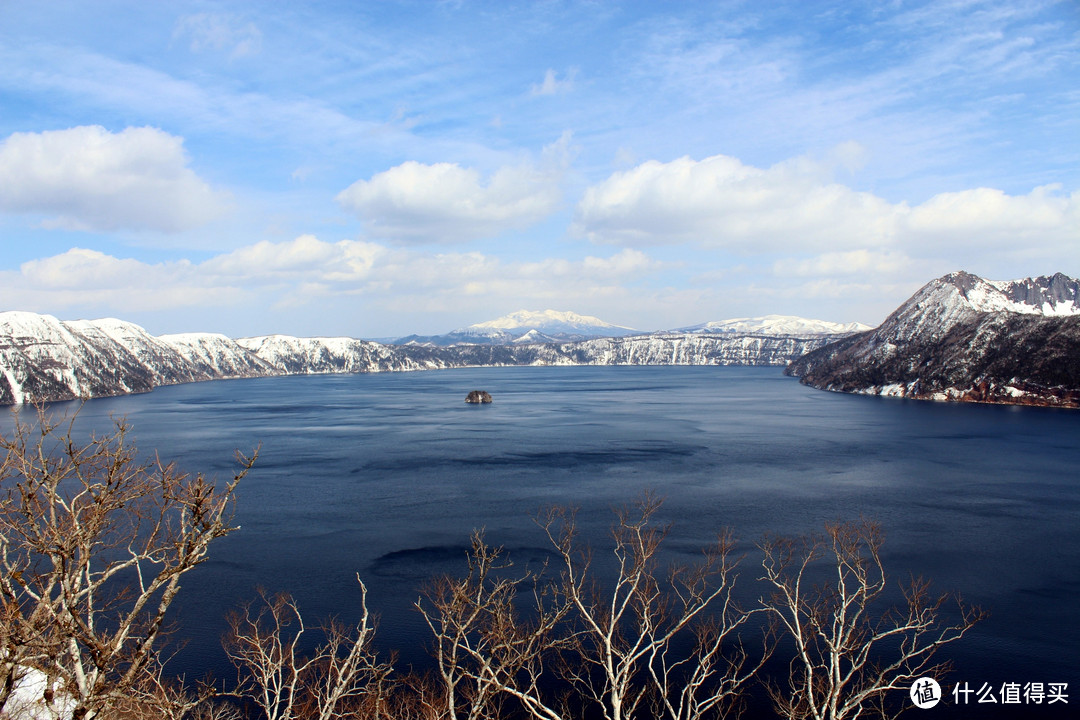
point(387, 474)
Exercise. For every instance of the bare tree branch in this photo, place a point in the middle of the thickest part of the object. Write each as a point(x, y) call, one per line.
point(849, 652)
point(342, 672)
point(93, 545)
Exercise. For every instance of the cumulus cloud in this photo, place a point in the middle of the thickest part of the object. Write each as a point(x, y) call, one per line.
point(721, 202)
point(362, 266)
point(446, 203)
point(796, 209)
point(306, 271)
point(88, 178)
point(989, 217)
point(305, 259)
point(89, 278)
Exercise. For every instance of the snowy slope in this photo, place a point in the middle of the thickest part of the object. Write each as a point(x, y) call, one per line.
point(44, 359)
point(525, 326)
point(307, 356)
point(964, 338)
point(548, 322)
point(778, 325)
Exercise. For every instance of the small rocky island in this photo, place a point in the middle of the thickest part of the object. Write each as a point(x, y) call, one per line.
point(478, 396)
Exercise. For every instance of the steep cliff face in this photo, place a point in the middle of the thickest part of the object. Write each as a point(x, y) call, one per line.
point(964, 338)
point(328, 355)
point(691, 349)
point(43, 359)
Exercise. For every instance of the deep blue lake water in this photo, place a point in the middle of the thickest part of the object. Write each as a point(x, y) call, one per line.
point(387, 474)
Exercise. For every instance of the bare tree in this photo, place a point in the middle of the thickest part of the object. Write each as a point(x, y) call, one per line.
point(849, 651)
point(615, 649)
point(158, 696)
point(624, 656)
point(484, 647)
point(93, 545)
point(342, 673)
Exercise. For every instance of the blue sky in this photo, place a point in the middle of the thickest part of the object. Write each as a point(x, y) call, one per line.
point(379, 168)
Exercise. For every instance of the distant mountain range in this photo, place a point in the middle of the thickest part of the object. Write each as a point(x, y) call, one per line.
point(45, 359)
point(526, 326)
point(778, 325)
point(958, 338)
point(964, 338)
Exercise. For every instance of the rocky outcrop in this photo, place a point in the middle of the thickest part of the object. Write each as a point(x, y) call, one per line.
point(963, 338)
point(476, 397)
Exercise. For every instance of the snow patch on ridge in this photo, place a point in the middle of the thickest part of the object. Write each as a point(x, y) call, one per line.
point(547, 321)
point(778, 325)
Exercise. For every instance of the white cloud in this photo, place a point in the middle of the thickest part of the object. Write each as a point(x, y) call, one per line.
point(82, 278)
point(446, 203)
point(552, 85)
point(207, 31)
point(84, 269)
point(795, 209)
point(852, 262)
point(720, 202)
point(90, 179)
point(304, 259)
point(307, 271)
point(986, 217)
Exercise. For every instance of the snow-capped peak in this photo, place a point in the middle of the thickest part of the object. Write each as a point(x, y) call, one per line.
point(960, 296)
point(960, 292)
point(547, 322)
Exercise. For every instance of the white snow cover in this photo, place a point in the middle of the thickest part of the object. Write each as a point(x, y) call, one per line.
point(779, 325)
point(991, 296)
point(958, 297)
point(547, 322)
point(97, 358)
point(533, 336)
point(26, 699)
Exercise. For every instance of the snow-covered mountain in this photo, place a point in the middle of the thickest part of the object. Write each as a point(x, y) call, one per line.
point(777, 325)
point(44, 359)
point(315, 356)
point(525, 326)
point(964, 338)
point(551, 323)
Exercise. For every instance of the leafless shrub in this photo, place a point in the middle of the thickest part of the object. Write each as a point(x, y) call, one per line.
point(341, 675)
point(625, 656)
point(93, 545)
point(850, 652)
point(617, 650)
